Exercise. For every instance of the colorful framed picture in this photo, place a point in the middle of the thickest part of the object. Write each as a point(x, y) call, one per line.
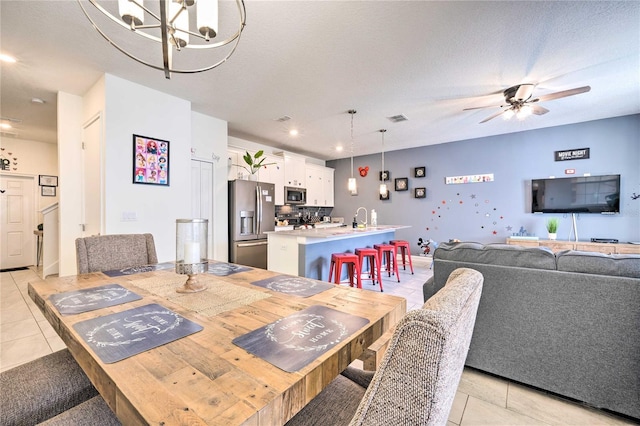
point(384, 175)
point(420, 192)
point(420, 172)
point(402, 184)
point(150, 161)
point(386, 196)
point(45, 180)
point(48, 191)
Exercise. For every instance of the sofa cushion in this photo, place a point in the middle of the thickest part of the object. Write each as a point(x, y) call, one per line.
point(497, 254)
point(621, 265)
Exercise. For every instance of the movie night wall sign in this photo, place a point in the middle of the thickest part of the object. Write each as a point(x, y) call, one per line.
point(572, 154)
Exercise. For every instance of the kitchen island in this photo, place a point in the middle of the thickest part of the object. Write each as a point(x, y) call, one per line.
point(307, 252)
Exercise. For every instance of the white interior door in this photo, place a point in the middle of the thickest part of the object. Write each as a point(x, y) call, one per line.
point(17, 241)
point(202, 196)
point(92, 182)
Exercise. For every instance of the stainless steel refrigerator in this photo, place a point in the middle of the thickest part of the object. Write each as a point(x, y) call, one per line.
point(251, 213)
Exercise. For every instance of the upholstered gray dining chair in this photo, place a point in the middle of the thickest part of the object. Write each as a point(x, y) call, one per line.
point(420, 372)
point(117, 251)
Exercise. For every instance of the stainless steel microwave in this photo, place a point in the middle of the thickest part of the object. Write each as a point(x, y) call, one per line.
point(295, 195)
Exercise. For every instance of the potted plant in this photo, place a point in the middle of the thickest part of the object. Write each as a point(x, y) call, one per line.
point(552, 228)
point(254, 162)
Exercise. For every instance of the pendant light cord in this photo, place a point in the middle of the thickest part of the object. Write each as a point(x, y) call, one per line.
point(352, 112)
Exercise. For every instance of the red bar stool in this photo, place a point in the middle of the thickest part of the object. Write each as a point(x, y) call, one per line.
point(372, 257)
point(403, 247)
point(353, 267)
point(388, 253)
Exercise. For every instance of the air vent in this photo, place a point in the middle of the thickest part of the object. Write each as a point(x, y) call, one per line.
point(282, 119)
point(398, 118)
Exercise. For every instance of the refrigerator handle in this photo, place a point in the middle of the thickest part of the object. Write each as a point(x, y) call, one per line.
point(259, 209)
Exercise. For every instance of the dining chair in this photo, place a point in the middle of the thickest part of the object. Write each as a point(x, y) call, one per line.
point(116, 251)
point(420, 372)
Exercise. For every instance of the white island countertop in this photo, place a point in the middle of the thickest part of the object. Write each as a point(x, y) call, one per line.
point(338, 233)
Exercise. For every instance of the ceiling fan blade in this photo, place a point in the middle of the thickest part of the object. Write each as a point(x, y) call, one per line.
point(492, 116)
point(483, 107)
point(538, 110)
point(524, 92)
point(563, 94)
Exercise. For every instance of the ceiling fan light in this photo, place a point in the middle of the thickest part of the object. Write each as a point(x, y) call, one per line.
point(131, 13)
point(207, 18)
point(508, 114)
point(180, 17)
point(524, 112)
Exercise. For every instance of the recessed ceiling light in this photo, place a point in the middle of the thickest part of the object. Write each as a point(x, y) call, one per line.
point(339, 148)
point(293, 132)
point(7, 58)
point(5, 126)
point(36, 101)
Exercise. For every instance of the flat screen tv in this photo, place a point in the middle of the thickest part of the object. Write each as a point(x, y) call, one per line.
point(585, 194)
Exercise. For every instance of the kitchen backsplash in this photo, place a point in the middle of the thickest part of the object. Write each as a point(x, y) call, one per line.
point(301, 213)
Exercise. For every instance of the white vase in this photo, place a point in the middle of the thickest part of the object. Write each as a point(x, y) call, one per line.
point(253, 177)
point(552, 236)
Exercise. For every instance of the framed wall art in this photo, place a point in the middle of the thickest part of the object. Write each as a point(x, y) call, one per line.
point(402, 184)
point(420, 192)
point(384, 175)
point(46, 180)
point(48, 191)
point(385, 196)
point(455, 180)
point(151, 162)
point(420, 172)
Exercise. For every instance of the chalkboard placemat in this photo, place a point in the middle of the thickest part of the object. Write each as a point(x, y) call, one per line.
point(225, 269)
point(296, 286)
point(90, 299)
point(118, 336)
point(139, 269)
point(296, 340)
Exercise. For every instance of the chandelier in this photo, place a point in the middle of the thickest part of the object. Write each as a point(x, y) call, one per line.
point(167, 23)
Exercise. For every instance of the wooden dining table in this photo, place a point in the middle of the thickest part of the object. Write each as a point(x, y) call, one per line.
point(204, 378)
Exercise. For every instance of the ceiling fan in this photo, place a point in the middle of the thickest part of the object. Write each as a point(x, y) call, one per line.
point(519, 101)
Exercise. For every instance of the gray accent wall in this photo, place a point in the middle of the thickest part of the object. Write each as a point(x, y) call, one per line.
point(489, 212)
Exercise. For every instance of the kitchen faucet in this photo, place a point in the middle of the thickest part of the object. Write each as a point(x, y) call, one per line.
point(366, 216)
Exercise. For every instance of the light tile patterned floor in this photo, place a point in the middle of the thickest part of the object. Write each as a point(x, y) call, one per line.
point(481, 399)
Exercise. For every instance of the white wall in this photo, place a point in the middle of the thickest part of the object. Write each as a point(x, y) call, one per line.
point(209, 143)
point(135, 109)
point(70, 178)
point(34, 159)
point(244, 144)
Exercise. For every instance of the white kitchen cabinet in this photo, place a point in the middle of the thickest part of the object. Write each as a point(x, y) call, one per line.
point(274, 173)
point(319, 181)
point(329, 188)
point(234, 168)
point(294, 170)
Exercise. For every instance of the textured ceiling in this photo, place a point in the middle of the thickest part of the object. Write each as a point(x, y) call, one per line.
point(314, 60)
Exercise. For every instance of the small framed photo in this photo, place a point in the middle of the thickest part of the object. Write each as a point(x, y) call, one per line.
point(150, 161)
point(385, 196)
point(402, 184)
point(384, 175)
point(420, 192)
point(48, 191)
point(420, 172)
point(45, 180)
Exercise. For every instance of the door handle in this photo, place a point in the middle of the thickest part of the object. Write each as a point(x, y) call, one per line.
point(261, 243)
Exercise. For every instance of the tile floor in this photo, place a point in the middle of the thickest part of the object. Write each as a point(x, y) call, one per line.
point(481, 399)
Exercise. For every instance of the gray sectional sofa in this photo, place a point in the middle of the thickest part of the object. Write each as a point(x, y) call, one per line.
point(567, 323)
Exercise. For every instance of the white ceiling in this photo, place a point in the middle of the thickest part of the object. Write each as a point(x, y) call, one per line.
point(314, 60)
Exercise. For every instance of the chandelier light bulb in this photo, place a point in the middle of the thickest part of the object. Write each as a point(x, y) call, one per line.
point(131, 13)
point(508, 114)
point(524, 112)
point(207, 18)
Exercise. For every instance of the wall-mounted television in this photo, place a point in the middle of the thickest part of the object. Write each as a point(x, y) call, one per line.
point(584, 194)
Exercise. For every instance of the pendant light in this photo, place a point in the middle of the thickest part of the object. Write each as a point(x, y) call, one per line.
point(383, 186)
point(352, 181)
